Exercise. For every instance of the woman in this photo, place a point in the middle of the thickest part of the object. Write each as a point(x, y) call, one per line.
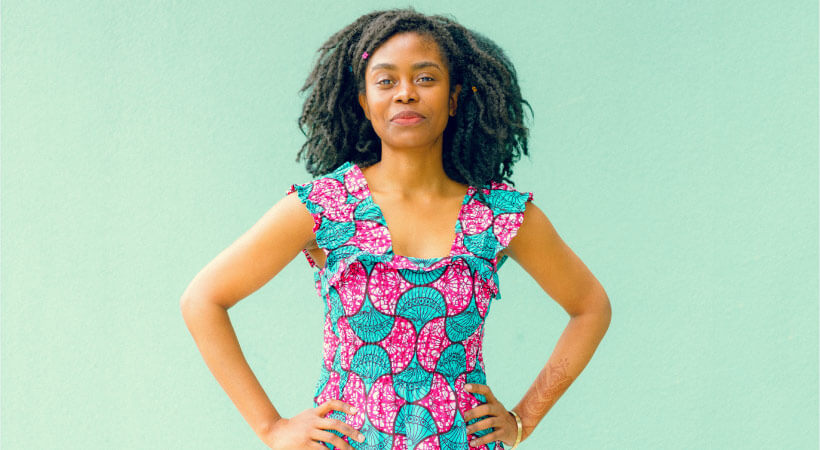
point(412, 121)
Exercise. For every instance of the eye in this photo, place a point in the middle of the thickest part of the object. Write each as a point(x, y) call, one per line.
point(426, 79)
point(383, 80)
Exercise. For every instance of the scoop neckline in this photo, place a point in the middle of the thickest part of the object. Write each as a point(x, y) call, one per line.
point(369, 196)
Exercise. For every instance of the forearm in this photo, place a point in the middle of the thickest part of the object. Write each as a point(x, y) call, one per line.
point(573, 351)
point(216, 339)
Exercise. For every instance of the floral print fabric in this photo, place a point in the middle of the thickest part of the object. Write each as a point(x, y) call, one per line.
point(403, 335)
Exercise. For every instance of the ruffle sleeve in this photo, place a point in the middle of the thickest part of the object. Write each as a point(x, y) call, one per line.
point(327, 200)
point(303, 191)
point(508, 205)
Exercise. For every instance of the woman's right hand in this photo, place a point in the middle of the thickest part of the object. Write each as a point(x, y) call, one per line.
point(309, 427)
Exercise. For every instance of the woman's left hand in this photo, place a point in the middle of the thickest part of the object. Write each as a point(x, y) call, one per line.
point(505, 428)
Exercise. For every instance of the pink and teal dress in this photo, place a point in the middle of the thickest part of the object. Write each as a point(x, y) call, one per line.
point(403, 335)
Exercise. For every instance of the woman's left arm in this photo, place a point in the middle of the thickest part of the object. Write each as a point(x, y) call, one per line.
point(564, 277)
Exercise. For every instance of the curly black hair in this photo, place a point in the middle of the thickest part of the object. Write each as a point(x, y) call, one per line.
point(481, 143)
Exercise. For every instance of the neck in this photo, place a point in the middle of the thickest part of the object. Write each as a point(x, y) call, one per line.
point(411, 173)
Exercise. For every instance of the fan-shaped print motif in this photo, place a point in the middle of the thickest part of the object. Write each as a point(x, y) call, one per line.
point(413, 383)
point(402, 335)
point(349, 343)
point(340, 213)
point(368, 211)
point(385, 288)
point(372, 237)
point(421, 305)
point(483, 243)
point(441, 402)
point(505, 225)
point(328, 192)
point(415, 422)
point(370, 324)
point(477, 217)
point(373, 439)
point(456, 438)
point(456, 282)
point(504, 200)
point(431, 343)
point(453, 360)
point(335, 233)
point(383, 404)
point(400, 343)
point(461, 326)
point(370, 362)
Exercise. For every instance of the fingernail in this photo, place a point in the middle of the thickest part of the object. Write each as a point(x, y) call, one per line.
point(360, 437)
point(468, 387)
point(354, 409)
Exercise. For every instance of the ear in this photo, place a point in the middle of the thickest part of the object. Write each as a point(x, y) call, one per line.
point(363, 104)
point(454, 99)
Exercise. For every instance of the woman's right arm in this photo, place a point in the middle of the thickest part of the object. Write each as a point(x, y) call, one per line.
point(238, 271)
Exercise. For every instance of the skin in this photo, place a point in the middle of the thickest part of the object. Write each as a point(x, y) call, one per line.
point(410, 186)
point(419, 202)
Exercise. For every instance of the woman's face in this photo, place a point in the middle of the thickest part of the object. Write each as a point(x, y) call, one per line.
point(407, 94)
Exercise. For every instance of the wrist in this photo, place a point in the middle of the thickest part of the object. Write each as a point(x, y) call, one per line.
point(267, 426)
point(519, 432)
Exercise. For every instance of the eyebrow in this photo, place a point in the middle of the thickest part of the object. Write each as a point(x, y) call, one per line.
point(416, 66)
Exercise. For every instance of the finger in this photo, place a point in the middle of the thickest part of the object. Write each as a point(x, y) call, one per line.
point(482, 389)
point(341, 427)
point(335, 405)
point(316, 445)
point(489, 422)
point(478, 411)
point(331, 438)
point(494, 436)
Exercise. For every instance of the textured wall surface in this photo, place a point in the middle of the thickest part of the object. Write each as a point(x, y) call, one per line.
point(674, 148)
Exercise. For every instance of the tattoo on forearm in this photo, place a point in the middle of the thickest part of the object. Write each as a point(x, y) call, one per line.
point(551, 382)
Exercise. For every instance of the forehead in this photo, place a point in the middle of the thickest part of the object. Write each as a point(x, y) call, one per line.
point(407, 46)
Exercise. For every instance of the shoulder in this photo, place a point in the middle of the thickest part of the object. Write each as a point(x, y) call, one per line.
point(328, 190)
point(492, 218)
point(503, 198)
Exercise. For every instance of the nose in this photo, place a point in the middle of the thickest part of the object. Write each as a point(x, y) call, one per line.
point(406, 92)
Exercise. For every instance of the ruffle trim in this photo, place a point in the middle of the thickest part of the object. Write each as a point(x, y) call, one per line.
point(520, 206)
point(336, 267)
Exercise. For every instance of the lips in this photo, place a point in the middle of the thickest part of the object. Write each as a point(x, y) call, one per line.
point(407, 116)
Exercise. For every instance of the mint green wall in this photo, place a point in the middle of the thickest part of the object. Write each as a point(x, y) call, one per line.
point(674, 147)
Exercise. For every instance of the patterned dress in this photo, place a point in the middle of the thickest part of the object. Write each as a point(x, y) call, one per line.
point(403, 335)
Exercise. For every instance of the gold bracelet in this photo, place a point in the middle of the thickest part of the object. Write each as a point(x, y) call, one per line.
point(520, 428)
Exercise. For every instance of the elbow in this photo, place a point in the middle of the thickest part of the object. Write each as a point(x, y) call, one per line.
point(603, 310)
point(186, 305)
point(597, 305)
point(596, 315)
point(190, 303)
point(600, 304)
point(606, 310)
